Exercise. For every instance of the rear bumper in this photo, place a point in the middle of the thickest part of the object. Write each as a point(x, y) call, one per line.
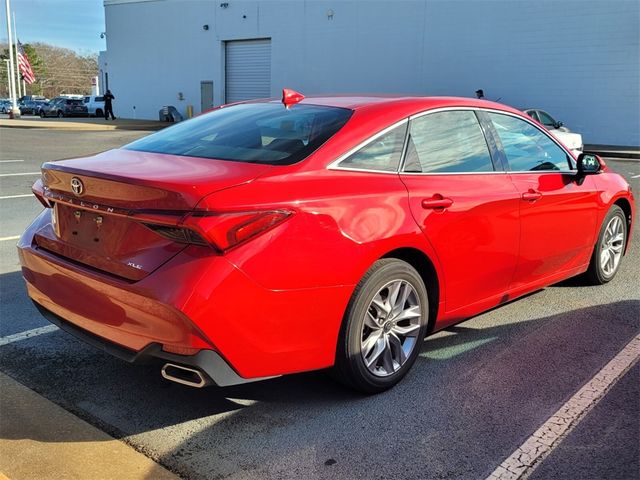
point(198, 301)
point(208, 362)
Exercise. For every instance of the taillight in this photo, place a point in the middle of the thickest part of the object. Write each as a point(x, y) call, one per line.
point(38, 191)
point(222, 231)
point(177, 234)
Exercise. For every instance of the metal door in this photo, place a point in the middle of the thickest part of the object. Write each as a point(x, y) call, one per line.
point(247, 69)
point(206, 95)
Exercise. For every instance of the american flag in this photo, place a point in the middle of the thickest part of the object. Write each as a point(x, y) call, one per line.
point(25, 67)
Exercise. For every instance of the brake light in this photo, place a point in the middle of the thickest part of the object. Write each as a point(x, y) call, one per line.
point(222, 231)
point(228, 230)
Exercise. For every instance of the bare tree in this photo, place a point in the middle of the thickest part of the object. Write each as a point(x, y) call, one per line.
point(57, 70)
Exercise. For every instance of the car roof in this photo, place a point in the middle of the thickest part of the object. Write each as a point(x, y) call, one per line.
point(403, 104)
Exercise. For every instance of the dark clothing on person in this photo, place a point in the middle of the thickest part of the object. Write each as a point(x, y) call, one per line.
point(108, 106)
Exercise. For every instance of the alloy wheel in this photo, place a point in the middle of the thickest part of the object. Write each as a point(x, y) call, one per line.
point(611, 247)
point(390, 328)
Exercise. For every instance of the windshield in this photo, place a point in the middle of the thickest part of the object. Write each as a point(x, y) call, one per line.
point(255, 132)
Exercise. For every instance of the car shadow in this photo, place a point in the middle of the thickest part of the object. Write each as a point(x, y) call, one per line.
point(212, 430)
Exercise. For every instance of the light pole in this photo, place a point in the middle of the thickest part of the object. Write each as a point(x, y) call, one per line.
point(15, 112)
point(8, 78)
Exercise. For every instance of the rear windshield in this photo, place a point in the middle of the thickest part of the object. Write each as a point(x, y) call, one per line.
point(74, 102)
point(257, 132)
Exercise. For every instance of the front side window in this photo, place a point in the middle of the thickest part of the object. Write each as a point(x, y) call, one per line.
point(526, 147)
point(254, 132)
point(447, 142)
point(546, 120)
point(383, 153)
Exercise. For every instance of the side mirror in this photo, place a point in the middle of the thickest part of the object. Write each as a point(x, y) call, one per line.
point(589, 164)
point(559, 124)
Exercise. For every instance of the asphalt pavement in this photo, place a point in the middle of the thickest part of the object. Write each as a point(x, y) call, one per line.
point(477, 391)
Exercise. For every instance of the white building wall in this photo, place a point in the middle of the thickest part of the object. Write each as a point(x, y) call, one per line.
point(580, 60)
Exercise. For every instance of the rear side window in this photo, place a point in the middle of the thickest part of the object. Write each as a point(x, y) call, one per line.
point(382, 153)
point(526, 147)
point(447, 142)
point(74, 102)
point(255, 132)
point(99, 99)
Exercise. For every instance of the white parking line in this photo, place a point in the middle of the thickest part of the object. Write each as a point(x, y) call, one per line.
point(16, 196)
point(11, 161)
point(19, 174)
point(538, 446)
point(28, 334)
point(6, 239)
point(636, 176)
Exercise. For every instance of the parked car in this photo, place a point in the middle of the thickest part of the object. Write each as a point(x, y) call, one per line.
point(562, 133)
point(95, 105)
point(5, 106)
point(263, 239)
point(31, 107)
point(63, 107)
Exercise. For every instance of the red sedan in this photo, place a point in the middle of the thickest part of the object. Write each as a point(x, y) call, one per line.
point(268, 237)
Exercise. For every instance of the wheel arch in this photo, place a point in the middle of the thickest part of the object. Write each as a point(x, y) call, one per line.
point(425, 267)
point(625, 205)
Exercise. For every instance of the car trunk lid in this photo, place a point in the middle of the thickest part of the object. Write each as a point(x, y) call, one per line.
point(102, 206)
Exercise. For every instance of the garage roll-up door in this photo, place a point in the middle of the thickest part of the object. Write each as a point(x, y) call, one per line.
point(247, 69)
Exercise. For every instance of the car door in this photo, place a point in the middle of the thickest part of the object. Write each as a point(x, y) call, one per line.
point(464, 203)
point(558, 209)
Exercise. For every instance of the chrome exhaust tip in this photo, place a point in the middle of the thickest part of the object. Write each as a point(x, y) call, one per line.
point(184, 375)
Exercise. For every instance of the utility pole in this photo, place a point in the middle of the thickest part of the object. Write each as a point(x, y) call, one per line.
point(15, 35)
point(15, 112)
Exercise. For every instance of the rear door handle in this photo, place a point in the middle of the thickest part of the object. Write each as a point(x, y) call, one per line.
point(531, 195)
point(437, 201)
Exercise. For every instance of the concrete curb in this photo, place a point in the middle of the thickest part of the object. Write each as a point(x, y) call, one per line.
point(78, 126)
point(613, 151)
point(39, 439)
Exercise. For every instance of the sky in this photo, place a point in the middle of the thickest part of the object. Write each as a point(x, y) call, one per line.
point(73, 24)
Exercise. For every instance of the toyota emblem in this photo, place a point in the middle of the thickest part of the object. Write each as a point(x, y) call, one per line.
point(77, 186)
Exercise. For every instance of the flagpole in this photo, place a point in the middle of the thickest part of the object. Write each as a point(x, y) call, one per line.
point(14, 105)
point(15, 44)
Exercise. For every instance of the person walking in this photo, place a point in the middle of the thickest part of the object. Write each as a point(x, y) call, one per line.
point(108, 106)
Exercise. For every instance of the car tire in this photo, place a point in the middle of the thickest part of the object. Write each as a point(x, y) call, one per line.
point(609, 249)
point(376, 350)
point(60, 114)
point(42, 114)
point(99, 113)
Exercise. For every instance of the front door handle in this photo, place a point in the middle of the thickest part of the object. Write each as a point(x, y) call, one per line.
point(531, 196)
point(437, 201)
